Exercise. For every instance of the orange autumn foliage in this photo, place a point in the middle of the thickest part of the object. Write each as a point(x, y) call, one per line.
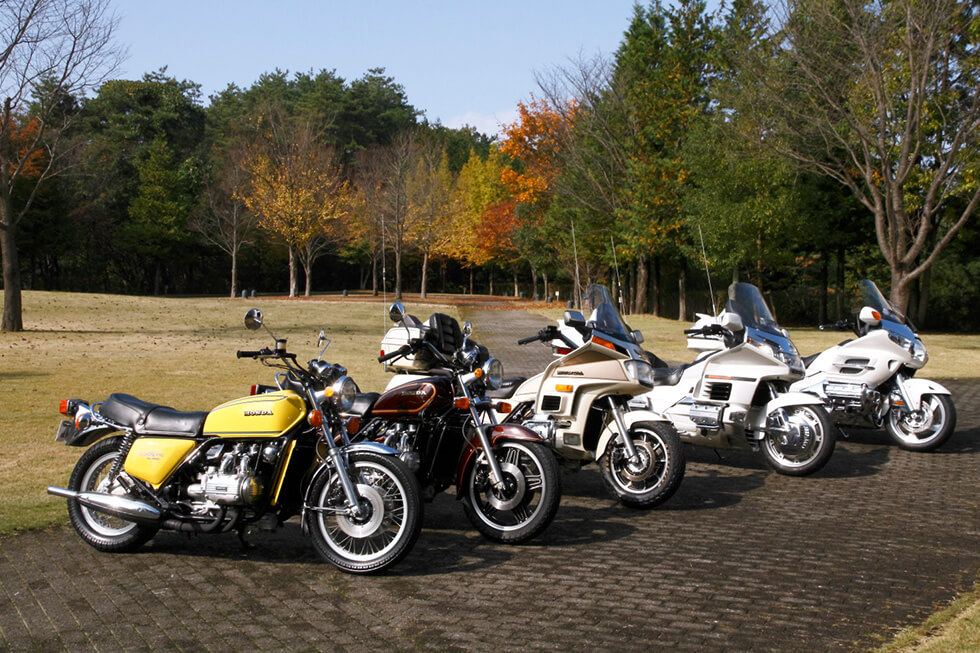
point(535, 141)
point(24, 152)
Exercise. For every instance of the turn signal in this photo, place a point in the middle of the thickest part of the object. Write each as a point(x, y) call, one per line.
point(316, 419)
point(478, 372)
point(353, 425)
point(255, 390)
point(463, 403)
point(63, 408)
point(562, 387)
point(603, 342)
point(876, 315)
point(503, 407)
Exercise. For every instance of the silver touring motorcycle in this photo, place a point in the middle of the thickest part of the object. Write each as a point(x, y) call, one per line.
point(867, 381)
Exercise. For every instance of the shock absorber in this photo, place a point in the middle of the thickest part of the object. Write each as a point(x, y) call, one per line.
point(124, 447)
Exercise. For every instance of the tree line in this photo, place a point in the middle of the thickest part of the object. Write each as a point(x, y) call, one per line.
point(801, 146)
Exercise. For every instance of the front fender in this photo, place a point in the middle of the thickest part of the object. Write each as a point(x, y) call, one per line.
point(915, 388)
point(786, 400)
point(370, 447)
point(498, 433)
point(631, 417)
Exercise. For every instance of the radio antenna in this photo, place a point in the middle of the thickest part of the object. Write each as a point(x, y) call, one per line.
point(619, 280)
point(704, 255)
point(577, 295)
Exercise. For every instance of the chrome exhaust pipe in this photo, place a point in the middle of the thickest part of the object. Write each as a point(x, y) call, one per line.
point(112, 505)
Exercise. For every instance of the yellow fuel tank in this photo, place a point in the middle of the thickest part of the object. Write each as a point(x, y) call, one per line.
point(153, 459)
point(266, 415)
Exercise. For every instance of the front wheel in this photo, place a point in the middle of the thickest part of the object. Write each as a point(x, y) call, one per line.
point(102, 531)
point(388, 525)
point(528, 500)
point(799, 441)
point(925, 429)
point(654, 475)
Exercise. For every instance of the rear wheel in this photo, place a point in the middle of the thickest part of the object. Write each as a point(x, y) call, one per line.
point(390, 519)
point(654, 475)
point(528, 500)
point(804, 442)
point(925, 429)
point(105, 533)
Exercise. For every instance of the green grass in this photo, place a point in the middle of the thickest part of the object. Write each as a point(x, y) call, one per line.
point(178, 352)
point(952, 629)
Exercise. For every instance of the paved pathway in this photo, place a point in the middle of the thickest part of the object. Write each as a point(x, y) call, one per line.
point(741, 558)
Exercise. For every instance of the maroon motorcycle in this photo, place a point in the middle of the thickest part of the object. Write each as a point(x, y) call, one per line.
point(435, 412)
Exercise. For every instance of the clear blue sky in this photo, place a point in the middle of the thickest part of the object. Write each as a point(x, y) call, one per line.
point(460, 62)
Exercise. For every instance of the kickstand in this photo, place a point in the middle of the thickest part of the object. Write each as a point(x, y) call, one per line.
point(241, 538)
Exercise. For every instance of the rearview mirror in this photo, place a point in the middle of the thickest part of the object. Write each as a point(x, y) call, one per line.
point(467, 328)
point(253, 319)
point(637, 336)
point(870, 316)
point(731, 321)
point(396, 312)
point(574, 319)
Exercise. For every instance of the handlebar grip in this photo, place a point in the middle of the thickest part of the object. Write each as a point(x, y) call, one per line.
point(524, 341)
point(401, 351)
point(691, 332)
point(255, 354)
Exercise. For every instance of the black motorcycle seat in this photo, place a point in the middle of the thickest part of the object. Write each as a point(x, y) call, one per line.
point(809, 359)
point(668, 375)
point(507, 387)
point(144, 417)
point(363, 402)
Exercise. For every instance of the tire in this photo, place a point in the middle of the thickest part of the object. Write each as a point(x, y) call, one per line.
point(529, 502)
point(926, 429)
point(105, 533)
point(658, 474)
point(802, 459)
point(390, 527)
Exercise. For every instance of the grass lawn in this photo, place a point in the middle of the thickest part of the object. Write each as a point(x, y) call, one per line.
point(178, 352)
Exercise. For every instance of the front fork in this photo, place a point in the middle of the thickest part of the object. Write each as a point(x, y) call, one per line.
point(623, 431)
point(482, 434)
point(339, 461)
point(906, 406)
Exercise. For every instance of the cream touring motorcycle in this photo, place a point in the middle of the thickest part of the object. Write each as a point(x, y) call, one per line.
point(253, 461)
point(736, 392)
point(868, 381)
point(579, 405)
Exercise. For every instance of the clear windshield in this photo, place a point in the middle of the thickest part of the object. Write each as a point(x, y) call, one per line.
point(604, 315)
point(746, 300)
point(871, 296)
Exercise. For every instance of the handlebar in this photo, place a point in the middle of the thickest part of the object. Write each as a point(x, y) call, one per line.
point(840, 325)
point(709, 330)
point(550, 332)
point(401, 351)
point(524, 341)
point(265, 351)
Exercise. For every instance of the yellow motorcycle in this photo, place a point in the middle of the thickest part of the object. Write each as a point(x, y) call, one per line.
point(254, 461)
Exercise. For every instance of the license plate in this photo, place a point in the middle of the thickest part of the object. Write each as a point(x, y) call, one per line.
point(66, 431)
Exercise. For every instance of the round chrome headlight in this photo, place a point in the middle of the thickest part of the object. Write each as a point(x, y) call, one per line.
point(342, 393)
point(493, 373)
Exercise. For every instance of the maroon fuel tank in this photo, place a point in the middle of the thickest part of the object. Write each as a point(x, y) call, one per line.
point(415, 398)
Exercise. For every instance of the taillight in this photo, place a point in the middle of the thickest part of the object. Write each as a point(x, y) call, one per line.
point(562, 351)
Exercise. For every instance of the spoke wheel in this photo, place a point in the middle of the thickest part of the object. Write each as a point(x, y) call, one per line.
point(387, 525)
point(654, 475)
point(925, 429)
point(806, 447)
point(528, 500)
point(102, 531)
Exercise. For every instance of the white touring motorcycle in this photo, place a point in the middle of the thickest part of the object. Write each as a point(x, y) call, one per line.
point(579, 405)
point(735, 395)
point(868, 381)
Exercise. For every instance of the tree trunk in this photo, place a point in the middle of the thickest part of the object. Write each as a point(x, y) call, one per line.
point(491, 280)
point(839, 285)
point(293, 281)
point(682, 291)
point(12, 310)
point(656, 286)
point(425, 265)
point(234, 272)
point(398, 272)
point(534, 283)
point(516, 289)
point(642, 280)
point(925, 285)
point(544, 275)
point(901, 288)
point(471, 281)
point(308, 271)
point(374, 276)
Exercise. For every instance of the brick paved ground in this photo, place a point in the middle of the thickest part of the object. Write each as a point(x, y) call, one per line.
point(741, 558)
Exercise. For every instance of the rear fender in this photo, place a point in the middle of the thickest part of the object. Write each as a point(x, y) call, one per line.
point(498, 433)
point(916, 388)
point(631, 417)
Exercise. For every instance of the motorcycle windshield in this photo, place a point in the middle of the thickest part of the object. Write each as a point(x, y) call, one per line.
point(604, 316)
point(871, 296)
point(746, 300)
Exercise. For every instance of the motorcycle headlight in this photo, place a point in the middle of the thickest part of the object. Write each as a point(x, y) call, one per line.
point(342, 393)
point(919, 353)
point(493, 373)
point(639, 371)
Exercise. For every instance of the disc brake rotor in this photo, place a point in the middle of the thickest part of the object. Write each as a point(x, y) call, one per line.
point(513, 493)
point(369, 524)
point(642, 469)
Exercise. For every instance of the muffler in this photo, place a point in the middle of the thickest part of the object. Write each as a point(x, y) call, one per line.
point(112, 505)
